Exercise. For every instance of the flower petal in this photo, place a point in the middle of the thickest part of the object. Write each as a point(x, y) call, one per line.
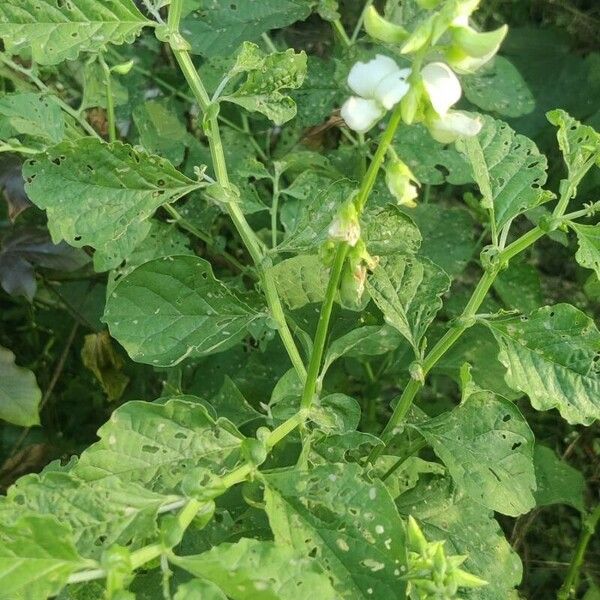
point(361, 114)
point(442, 86)
point(364, 77)
point(393, 88)
point(454, 125)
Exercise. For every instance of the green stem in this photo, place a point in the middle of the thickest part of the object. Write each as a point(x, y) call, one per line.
point(110, 101)
point(316, 355)
point(251, 241)
point(274, 211)
point(44, 88)
point(269, 42)
point(569, 587)
point(341, 32)
point(360, 21)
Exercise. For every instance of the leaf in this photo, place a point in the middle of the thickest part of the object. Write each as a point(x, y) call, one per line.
point(267, 77)
point(24, 250)
point(557, 481)
point(199, 588)
point(155, 445)
point(20, 395)
point(56, 32)
point(99, 514)
point(466, 529)
point(173, 308)
point(99, 356)
point(499, 87)
point(508, 168)
point(231, 404)
point(552, 356)
point(407, 290)
point(580, 144)
point(112, 254)
point(370, 340)
point(488, 448)
point(93, 191)
point(448, 247)
point(35, 116)
point(37, 556)
point(307, 222)
point(405, 476)
point(218, 27)
point(336, 413)
point(431, 162)
point(301, 280)
point(350, 525)
point(389, 231)
point(588, 238)
point(161, 131)
point(519, 287)
point(256, 570)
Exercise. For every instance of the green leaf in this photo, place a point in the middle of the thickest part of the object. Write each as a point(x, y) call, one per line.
point(112, 254)
point(552, 356)
point(307, 221)
point(349, 524)
point(468, 529)
point(99, 513)
point(370, 340)
point(56, 32)
point(488, 448)
point(231, 404)
point(155, 445)
point(499, 87)
point(408, 292)
point(508, 168)
point(404, 477)
point(93, 191)
point(20, 395)
point(388, 230)
point(301, 280)
point(431, 162)
point(580, 144)
point(336, 413)
point(557, 481)
point(35, 116)
point(161, 131)
point(173, 308)
point(37, 556)
point(256, 570)
point(218, 27)
point(267, 78)
point(519, 287)
point(199, 588)
point(588, 238)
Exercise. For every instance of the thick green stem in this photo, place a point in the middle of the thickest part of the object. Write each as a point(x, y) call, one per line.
point(589, 524)
point(251, 241)
point(316, 356)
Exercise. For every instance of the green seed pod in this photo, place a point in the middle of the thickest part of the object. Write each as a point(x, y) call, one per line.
point(383, 30)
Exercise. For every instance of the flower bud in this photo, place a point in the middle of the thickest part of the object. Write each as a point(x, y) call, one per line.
point(354, 276)
point(456, 123)
point(123, 68)
point(410, 104)
point(471, 49)
point(400, 181)
point(383, 30)
point(345, 226)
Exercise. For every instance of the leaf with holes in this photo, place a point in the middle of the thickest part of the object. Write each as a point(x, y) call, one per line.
point(268, 78)
point(488, 448)
point(155, 445)
point(350, 525)
point(301, 280)
point(468, 529)
point(259, 570)
point(499, 87)
point(173, 308)
point(37, 555)
point(508, 168)
point(36, 117)
point(218, 27)
point(93, 191)
point(553, 356)
point(388, 231)
point(408, 292)
point(57, 30)
point(588, 253)
point(20, 395)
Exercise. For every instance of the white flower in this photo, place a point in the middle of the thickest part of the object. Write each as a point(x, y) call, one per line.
point(380, 85)
point(442, 86)
point(454, 124)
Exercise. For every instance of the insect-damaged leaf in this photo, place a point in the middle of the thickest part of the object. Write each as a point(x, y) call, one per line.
point(57, 31)
point(172, 308)
point(93, 191)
